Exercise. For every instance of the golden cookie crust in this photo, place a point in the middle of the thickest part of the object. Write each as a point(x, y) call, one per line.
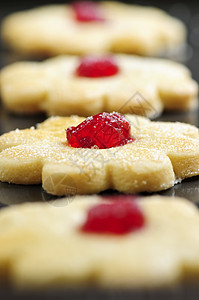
point(143, 86)
point(52, 30)
point(161, 155)
point(42, 246)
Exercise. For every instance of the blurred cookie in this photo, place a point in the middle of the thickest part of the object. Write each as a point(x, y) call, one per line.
point(69, 85)
point(89, 27)
point(152, 242)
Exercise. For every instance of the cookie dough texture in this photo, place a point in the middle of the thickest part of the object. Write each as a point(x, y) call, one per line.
point(42, 246)
point(53, 30)
point(143, 86)
point(161, 155)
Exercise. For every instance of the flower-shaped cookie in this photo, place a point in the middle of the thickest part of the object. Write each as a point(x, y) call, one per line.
point(42, 246)
point(161, 155)
point(141, 86)
point(124, 28)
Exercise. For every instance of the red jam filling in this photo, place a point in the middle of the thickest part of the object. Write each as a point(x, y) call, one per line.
point(105, 130)
point(95, 67)
point(87, 11)
point(119, 217)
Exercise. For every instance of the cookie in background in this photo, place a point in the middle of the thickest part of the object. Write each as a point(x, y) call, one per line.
point(93, 27)
point(67, 85)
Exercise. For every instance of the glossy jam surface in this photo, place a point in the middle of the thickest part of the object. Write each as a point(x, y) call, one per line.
point(87, 11)
point(95, 67)
point(118, 217)
point(105, 130)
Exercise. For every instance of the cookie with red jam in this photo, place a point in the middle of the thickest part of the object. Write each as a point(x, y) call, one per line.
point(113, 242)
point(74, 155)
point(89, 85)
point(89, 27)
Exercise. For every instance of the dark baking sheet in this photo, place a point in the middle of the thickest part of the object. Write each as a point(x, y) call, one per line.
point(14, 194)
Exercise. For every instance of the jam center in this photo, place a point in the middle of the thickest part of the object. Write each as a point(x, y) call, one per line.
point(104, 130)
point(87, 11)
point(95, 67)
point(119, 217)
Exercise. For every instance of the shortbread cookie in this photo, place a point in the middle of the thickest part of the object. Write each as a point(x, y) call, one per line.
point(159, 155)
point(110, 26)
point(70, 85)
point(154, 243)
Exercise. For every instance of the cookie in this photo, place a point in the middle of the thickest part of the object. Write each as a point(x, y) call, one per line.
point(45, 246)
point(159, 155)
point(68, 85)
point(109, 27)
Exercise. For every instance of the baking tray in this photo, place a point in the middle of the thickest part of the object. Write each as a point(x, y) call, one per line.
point(14, 194)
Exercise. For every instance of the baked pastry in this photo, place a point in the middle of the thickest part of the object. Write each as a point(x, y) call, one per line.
point(106, 151)
point(69, 85)
point(88, 27)
point(153, 244)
